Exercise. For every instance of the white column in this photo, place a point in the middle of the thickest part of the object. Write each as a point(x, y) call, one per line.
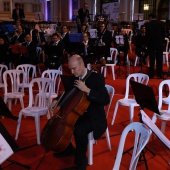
point(169, 10)
point(11, 6)
point(132, 9)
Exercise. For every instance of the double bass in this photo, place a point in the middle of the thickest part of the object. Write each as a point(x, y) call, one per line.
point(57, 133)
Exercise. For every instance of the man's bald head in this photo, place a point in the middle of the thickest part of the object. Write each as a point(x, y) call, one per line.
point(76, 65)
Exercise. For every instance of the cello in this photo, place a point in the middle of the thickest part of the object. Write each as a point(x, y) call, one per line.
point(57, 133)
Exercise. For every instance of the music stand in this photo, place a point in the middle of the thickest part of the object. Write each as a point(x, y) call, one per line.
point(5, 134)
point(145, 97)
point(19, 49)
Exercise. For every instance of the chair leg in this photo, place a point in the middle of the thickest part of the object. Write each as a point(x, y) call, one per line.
point(90, 148)
point(9, 104)
point(113, 72)
point(131, 113)
point(108, 139)
point(115, 112)
point(37, 126)
point(18, 126)
point(22, 102)
point(163, 125)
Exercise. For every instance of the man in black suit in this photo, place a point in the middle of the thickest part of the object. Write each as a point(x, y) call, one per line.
point(18, 37)
point(38, 37)
point(141, 47)
point(87, 49)
point(83, 14)
point(54, 51)
point(18, 13)
point(65, 36)
point(94, 118)
point(155, 34)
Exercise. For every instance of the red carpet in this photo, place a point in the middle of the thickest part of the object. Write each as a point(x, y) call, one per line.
point(103, 159)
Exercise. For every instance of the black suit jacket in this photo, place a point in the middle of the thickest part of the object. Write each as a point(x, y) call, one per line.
point(21, 14)
point(82, 15)
point(155, 34)
point(42, 38)
point(66, 41)
point(98, 98)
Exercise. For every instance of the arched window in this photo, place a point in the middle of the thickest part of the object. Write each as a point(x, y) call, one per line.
point(146, 7)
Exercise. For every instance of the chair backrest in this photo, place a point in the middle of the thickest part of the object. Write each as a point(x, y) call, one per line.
point(113, 51)
point(167, 44)
point(161, 95)
point(111, 92)
point(2, 68)
point(16, 77)
point(54, 75)
point(138, 77)
point(44, 86)
point(27, 68)
point(142, 135)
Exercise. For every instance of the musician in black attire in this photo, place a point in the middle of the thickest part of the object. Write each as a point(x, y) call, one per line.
point(83, 14)
point(54, 51)
point(18, 37)
point(65, 37)
point(18, 13)
point(103, 42)
point(155, 34)
point(141, 45)
point(94, 119)
point(38, 37)
point(122, 47)
point(88, 49)
point(4, 52)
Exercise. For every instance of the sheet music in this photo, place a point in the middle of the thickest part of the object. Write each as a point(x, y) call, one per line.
point(155, 129)
point(5, 149)
point(119, 39)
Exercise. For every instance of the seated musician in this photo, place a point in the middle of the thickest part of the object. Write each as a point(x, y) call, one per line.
point(87, 50)
point(141, 47)
point(104, 40)
point(31, 57)
point(38, 37)
point(19, 36)
point(122, 47)
point(94, 118)
point(65, 36)
point(54, 52)
point(4, 52)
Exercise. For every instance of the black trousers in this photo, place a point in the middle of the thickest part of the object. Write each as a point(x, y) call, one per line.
point(83, 127)
point(156, 53)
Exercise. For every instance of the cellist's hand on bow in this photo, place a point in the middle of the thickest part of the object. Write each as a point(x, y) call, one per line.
point(79, 84)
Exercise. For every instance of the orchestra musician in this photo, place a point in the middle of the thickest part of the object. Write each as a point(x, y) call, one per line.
point(54, 52)
point(65, 36)
point(18, 37)
point(94, 118)
point(83, 14)
point(38, 37)
point(4, 52)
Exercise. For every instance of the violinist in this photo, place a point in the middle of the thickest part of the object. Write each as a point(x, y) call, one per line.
point(94, 118)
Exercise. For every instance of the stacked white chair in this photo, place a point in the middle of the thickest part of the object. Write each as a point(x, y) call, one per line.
point(130, 102)
point(30, 73)
point(16, 77)
point(113, 51)
point(91, 140)
point(41, 108)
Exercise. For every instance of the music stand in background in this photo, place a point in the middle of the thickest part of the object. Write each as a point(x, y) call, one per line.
point(19, 49)
point(8, 146)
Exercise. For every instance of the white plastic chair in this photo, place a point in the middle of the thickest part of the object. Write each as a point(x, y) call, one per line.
point(54, 75)
point(16, 77)
point(113, 51)
point(130, 102)
point(165, 114)
point(142, 135)
point(27, 68)
point(91, 140)
point(2, 68)
point(36, 110)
